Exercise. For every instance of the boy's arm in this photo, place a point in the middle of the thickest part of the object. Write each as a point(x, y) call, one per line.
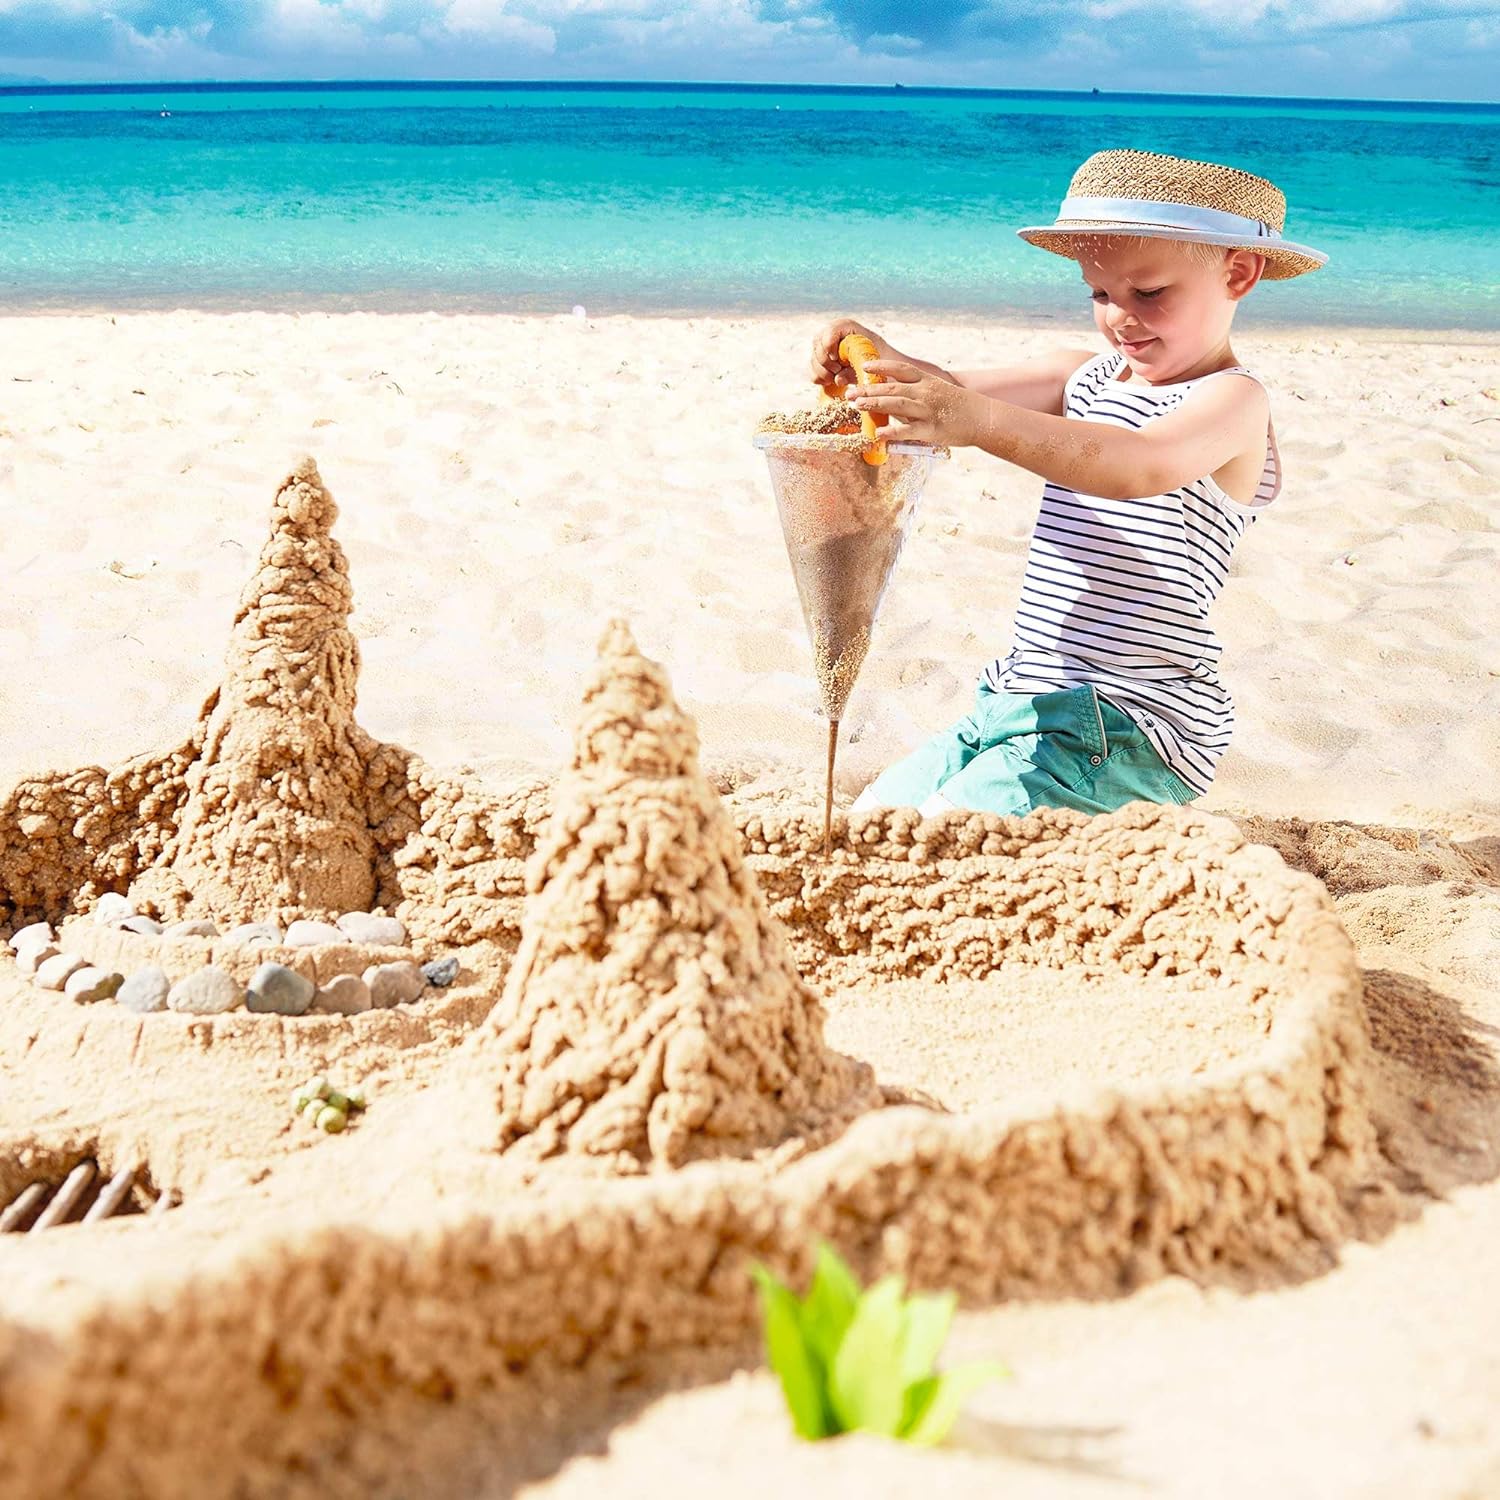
point(1219, 422)
point(1036, 385)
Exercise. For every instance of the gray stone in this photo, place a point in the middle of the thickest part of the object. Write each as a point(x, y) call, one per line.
point(194, 927)
point(276, 988)
point(208, 992)
point(345, 995)
point(54, 973)
point(30, 959)
point(378, 932)
point(250, 933)
point(441, 972)
point(145, 990)
point(393, 984)
point(37, 932)
point(88, 984)
point(305, 934)
point(143, 925)
point(112, 909)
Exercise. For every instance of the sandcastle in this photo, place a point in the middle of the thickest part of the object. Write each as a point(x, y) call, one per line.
point(675, 1045)
point(278, 812)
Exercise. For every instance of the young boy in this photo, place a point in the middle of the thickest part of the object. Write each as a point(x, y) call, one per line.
point(1156, 457)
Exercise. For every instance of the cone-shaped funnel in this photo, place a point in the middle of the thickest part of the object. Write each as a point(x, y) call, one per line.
point(274, 823)
point(653, 1014)
point(844, 521)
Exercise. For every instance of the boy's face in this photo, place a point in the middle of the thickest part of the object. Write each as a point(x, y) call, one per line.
point(1166, 307)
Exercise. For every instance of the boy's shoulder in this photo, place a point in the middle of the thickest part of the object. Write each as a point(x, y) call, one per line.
point(1234, 389)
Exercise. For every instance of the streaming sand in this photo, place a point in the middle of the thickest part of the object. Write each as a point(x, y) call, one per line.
point(1218, 1187)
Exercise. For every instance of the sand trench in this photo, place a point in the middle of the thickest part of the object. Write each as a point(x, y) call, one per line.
point(632, 1090)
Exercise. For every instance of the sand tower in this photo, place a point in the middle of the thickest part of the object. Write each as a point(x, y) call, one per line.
point(653, 1014)
point(274, 821)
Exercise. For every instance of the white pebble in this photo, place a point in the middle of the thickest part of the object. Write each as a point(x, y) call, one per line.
point(145, 990)
point(89, 984)
point(377, 932)
point(32, 957)
point(143, 925)
point(35, 933)
point(393, 984)
point(208, 992)
point(112, 909)
point(253, 933)
point(304, 934)
point(194, 927)
point(55, 972)
point(34, 943)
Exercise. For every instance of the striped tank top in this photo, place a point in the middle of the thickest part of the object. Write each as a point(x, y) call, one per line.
point(1116, 593)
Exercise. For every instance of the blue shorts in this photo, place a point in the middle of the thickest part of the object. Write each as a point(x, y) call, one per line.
point(1013, 753)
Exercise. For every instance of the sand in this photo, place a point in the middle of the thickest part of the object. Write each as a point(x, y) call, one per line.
point(378, 1313)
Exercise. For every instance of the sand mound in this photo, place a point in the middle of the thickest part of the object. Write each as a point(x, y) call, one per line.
point(274, 824)
point(654, 1014)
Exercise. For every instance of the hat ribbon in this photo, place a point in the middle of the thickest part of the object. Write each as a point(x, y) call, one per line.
point(1148, 211)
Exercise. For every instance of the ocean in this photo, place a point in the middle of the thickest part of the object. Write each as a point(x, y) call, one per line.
point(653, 198)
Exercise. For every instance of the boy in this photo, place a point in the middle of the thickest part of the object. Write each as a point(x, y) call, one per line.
point(1156, 457)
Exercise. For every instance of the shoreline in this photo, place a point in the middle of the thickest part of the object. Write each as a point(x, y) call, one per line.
point(1017, 317)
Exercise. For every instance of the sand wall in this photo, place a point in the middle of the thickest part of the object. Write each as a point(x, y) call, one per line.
point(323, 1354)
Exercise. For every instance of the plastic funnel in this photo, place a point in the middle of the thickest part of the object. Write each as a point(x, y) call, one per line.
point(844, 521)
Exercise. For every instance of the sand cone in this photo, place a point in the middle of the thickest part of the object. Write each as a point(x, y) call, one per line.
point(274, 823)
point(653, 1014)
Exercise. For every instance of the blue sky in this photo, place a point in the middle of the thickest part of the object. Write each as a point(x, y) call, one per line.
point(1437, 49)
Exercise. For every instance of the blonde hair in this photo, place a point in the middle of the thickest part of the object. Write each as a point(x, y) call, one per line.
point(1076, 246)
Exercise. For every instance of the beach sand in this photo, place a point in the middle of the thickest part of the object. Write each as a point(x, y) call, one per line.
point(507, 485)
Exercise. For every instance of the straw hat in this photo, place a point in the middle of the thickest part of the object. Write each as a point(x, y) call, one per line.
point(1171, 198)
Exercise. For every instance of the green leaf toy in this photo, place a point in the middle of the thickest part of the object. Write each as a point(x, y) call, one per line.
point(852, 1360)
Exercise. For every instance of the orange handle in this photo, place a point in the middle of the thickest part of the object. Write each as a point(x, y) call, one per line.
point(856, 351)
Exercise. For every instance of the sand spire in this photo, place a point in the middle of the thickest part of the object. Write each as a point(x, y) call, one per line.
point(274, 822)
point(653, 1014)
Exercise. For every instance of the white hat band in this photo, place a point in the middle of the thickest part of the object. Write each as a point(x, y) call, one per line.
point(1147, 211)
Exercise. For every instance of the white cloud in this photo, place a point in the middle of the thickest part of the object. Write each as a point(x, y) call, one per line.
point(892, 41)
point(1440, 48)
point(492, 21)
point(1292, 17)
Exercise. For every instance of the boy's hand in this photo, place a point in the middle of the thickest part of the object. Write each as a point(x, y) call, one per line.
point(929, 409)
point(827, 369)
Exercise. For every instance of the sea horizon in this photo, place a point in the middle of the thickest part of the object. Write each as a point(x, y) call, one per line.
point(690, 197)
point(687, 86)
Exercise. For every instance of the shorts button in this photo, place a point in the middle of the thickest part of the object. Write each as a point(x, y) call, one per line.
point(1096, 760)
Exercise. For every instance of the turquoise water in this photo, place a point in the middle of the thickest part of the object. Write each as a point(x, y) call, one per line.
point(698, 198)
